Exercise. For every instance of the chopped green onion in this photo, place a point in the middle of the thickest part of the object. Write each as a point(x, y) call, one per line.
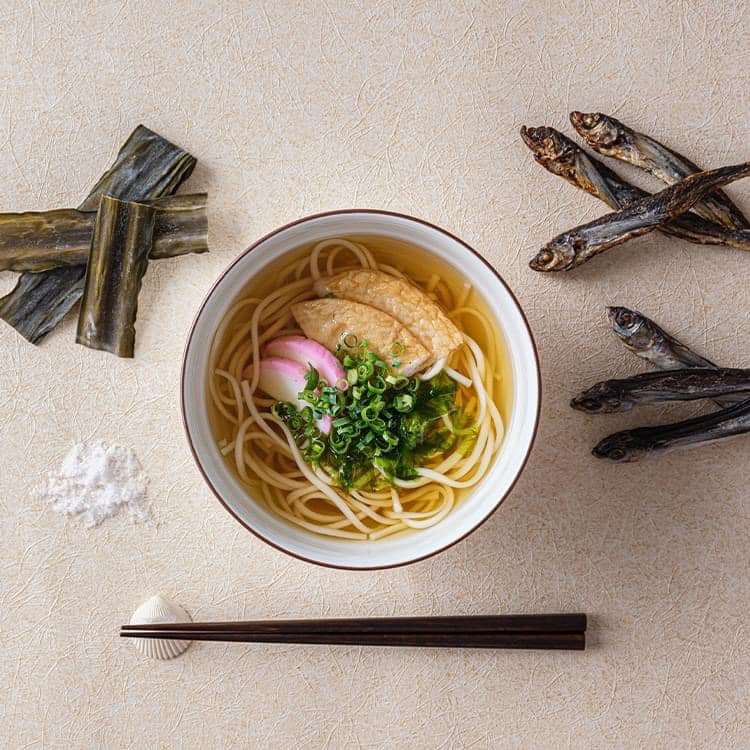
point(311, 431)
point(397, 348)
point(365, 370)
point(330, 394)
point(369, 413)
point(388, 439)
point(403, 402)
point(316, 448)
point(307, 395)
point(385, 425)
point(399, 382)
point(376, 385)
point(339, 443)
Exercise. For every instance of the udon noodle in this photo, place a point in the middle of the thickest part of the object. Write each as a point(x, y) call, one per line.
point(262, 450)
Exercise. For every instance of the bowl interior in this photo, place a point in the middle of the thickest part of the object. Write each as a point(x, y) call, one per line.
point(474, 508)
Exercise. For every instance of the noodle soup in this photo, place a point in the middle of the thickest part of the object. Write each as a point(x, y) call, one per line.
point(359, 388)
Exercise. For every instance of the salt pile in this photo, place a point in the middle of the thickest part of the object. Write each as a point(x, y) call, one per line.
point(95, 481)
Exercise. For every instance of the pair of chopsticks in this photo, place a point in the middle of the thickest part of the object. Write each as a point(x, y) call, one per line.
point(551, 631)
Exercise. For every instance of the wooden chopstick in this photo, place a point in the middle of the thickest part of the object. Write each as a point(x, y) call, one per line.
point(557, 631)
point(564, 623)
point(566, 641)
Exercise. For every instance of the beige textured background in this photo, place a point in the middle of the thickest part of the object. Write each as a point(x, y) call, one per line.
point(293, 108)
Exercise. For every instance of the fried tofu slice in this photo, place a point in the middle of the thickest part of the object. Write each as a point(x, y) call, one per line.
point(400, 299)
point(327, 321)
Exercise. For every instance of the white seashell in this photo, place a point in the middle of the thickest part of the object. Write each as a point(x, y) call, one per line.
point(159, 609)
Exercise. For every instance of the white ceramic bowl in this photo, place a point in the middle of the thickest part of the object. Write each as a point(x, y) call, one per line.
point(469, 513)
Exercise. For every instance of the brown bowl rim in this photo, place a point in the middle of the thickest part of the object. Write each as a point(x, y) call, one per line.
point(379, 212)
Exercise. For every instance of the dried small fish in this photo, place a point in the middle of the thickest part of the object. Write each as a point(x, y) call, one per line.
point(645, 442)
point(561, 156)
point(119, 255)
point(651, 342)
point(667, 385)
point(576, 246)
point(39, 240)
point(147, 166)
point(610, 137)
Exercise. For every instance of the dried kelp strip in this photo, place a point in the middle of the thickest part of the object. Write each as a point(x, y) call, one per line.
point(39, 301)
point(563, 157)
point(147, 166)
point(181, 225)
point(576, 246)
point(39, 240)
point(120, 247)
point(612, 138)
point(647, 442)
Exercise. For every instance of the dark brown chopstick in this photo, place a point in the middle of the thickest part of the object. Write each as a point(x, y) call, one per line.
point(566, 641)
point(564, 623)
point(557, 631)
